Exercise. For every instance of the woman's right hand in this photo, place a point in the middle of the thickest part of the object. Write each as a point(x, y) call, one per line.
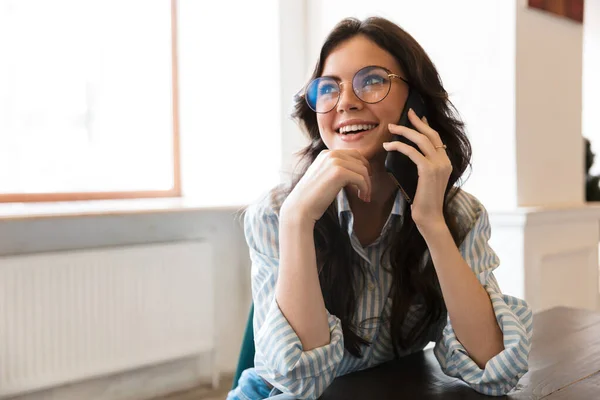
point(331, 171)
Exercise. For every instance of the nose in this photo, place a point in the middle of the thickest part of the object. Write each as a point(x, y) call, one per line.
point(348, 100)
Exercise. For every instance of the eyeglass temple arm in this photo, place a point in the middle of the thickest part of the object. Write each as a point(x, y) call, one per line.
point(398, 77)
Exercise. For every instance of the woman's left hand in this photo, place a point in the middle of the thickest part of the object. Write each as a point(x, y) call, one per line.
point(434, 168)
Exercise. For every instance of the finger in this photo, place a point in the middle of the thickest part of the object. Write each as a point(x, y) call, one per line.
point(419, 139)
point(412, 153)
point(354, 154)
point(350, 177)
point(424, 128)
point(358, 156)
point(356, 167)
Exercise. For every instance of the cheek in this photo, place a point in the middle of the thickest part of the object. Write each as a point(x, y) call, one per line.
point(393, 114)
point(393, 108)
point(324, 122)
point(320, 122)
point(388, 113)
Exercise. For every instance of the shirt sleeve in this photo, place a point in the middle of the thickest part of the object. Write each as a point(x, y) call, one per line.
point(280, 358)
point(514, 316)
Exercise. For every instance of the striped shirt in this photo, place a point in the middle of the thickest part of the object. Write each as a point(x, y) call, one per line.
point(280, 358)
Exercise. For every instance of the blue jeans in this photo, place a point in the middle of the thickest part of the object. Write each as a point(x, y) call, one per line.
point(252, 387)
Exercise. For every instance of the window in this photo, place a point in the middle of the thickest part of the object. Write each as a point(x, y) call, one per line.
point(231, 105)
point(88, 100)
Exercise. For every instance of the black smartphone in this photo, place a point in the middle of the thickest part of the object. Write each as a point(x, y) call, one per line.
point(401, 168)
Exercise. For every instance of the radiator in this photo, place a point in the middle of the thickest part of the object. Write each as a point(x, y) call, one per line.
point(72, 315)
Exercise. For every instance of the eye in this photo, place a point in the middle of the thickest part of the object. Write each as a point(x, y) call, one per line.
point(373, 81)
point(327, 89)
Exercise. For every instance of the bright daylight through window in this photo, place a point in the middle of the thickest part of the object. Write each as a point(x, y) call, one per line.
point(86, 97)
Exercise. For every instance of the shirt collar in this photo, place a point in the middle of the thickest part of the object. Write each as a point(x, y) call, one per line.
point(344, 206)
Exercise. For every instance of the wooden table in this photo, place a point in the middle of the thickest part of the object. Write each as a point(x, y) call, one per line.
point(564, 364)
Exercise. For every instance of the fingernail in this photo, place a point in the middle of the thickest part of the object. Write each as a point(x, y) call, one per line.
point(410, 110)
point(386, 144)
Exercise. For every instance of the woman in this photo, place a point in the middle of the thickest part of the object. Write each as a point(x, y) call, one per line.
point(346, 274)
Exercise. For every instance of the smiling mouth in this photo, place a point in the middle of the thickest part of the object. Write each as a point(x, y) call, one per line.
point(354, 129)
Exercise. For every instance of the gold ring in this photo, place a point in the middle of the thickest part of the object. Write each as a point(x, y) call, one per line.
point(441, 147)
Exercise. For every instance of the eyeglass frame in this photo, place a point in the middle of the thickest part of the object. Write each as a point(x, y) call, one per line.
point(339, 82)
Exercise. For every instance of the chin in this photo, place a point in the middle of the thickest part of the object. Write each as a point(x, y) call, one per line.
point(369, 146)
point(370, 151)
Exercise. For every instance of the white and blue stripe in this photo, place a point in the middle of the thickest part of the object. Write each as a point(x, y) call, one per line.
point(280, 358)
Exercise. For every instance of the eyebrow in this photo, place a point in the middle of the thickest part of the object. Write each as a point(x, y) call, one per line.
point(337, 78)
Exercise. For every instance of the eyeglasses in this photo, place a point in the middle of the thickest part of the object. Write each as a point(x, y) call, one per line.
point(370, 84)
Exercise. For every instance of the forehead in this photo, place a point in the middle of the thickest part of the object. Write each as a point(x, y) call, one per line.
point(356, 53)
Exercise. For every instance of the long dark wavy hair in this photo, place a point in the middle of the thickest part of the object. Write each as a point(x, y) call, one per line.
point(411, 281)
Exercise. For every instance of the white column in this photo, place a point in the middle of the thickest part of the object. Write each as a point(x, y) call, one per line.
point(550, 160)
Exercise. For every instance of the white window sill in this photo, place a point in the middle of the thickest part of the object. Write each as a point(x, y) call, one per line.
point(16, 211)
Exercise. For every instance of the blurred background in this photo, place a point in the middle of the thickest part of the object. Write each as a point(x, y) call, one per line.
point(132, 133)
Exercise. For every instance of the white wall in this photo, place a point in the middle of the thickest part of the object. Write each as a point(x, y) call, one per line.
point(549, 256)
point(561, 259)
point(549, 145)
point(591, 78)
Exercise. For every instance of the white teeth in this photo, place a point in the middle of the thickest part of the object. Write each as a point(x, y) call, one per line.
point(353, 128)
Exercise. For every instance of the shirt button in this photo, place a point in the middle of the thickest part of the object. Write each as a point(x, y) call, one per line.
point(371, 287)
